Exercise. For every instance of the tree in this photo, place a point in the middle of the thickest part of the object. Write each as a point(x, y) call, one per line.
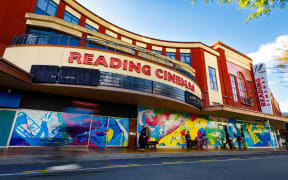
point(258, 7)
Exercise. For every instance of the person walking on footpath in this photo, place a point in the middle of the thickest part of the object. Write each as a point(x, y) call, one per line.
point(188, 139)
point(239, 140)
point(142, 138)
point(147, 135)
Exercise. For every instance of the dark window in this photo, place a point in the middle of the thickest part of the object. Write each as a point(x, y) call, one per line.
point(212, 77)
point(243, 89)
point(166, 90)
point(171, 55)
point(70, 18)
point(251, 92)
point(186, 58)
point(45, 36)
point(242, 85)
point(91, 28)
point(158, 52)
point(46, 7)
point(234, 88)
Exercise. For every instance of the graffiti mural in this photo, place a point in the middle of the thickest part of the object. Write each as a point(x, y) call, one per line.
point(98, 131)
point(42, 128)
point(117, 134)
point(257, 135)
point(169, 128)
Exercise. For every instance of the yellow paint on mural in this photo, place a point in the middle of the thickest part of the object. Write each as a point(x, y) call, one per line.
point(175, 138)
point(110, 133)
point(125, 143)
point(253, 133)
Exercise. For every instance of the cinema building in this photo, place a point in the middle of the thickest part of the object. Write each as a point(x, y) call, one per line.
point(63, 66)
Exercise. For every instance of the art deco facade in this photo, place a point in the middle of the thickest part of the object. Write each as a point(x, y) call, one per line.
point(62, 65)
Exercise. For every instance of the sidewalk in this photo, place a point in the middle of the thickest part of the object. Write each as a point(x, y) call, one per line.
point(44, 154)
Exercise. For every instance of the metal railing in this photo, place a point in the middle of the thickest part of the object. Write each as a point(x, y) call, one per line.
point(100, 44)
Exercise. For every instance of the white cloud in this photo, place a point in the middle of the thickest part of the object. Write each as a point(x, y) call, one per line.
point(267, 53)
point(284, 106)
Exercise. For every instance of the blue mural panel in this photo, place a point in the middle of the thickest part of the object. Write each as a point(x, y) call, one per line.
point(117, 134)
point(98, 131)
point(42, 128)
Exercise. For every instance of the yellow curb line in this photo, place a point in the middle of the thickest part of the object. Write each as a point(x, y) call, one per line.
point(123, 165)
point(209, 160)
point(172, 162)
point(233, 158)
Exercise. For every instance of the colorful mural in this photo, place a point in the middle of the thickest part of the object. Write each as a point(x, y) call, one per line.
point(6, 121)
point(117, 134)
point(168, 128)
point(41, 128)
point(98, 131)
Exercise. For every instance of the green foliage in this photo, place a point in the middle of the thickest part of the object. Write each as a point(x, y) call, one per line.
point(258, 7)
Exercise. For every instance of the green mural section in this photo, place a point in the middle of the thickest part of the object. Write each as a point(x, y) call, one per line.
point(169, 128)
point(6, 122)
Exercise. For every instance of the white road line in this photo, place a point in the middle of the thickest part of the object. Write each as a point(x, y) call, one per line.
point(126, 166)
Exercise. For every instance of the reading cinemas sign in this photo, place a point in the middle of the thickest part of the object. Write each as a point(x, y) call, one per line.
point(261, 82)
point(134, 66)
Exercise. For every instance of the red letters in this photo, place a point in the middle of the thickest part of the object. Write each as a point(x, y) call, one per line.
point(117, 63)
point(146, 70)
point(88, 58)
point(132, 66)
point(73, 56)
point(157, 72)
point(112, 63)
point(101, 61)
point(171, 77)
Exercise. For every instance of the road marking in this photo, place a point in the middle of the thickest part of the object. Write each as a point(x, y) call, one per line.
point(35, 171)
point(123, 165)
point(234, 158)
point(172, 162)
point(209, 160)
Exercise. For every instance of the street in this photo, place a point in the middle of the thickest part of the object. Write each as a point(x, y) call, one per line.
point(265, 166)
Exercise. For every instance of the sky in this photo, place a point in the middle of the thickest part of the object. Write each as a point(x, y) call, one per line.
point(179, 20)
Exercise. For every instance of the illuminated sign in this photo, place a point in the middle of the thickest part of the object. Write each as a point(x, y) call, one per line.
point(131, 66)
point(261, 82)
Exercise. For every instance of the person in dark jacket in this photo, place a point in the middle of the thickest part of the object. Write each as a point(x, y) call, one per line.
point(147, 136)
point(142, 138)
point(188, 139)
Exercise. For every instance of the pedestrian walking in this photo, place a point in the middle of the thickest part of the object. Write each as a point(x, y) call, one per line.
point(188, 140)
point(147, 135)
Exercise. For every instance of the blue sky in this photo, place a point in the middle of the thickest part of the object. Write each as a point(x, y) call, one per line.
point(178, 20)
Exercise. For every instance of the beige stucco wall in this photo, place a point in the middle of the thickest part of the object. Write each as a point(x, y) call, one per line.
point(26, 56)
point(214, 95)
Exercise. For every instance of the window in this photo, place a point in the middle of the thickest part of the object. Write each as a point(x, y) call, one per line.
point(91, 28)
point(70, 18)
point(46, 7)
point(45, 36)
point(243, 89)
point(212, 77)
point(158, 52)
point(234, 88)
point(171, 55)
point(186, 58)
point(251, 92)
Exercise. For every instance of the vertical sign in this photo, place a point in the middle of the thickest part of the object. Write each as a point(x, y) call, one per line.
point(261, 82)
